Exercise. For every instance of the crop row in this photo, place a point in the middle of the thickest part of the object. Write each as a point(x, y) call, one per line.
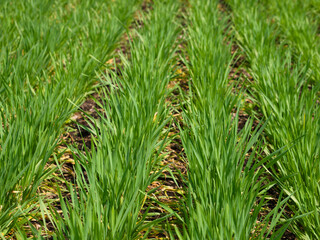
point(49, 58)
point(286, 90)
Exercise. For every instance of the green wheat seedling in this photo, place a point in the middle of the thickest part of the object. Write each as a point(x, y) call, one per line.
point(298, 22)
point(281, 89)
point(108, 197)
point(225, 177)
point(50, 53)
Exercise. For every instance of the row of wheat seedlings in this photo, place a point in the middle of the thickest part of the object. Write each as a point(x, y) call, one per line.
point(299, 25)
point(281, 89)
point(50, 52)
point(112, 177)
point(225, 182)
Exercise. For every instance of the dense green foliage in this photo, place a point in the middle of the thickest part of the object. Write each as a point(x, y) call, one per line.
point(50, 52)
point(286, 89)
point(224, 179)
point(249, 177)
point(126, 140)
